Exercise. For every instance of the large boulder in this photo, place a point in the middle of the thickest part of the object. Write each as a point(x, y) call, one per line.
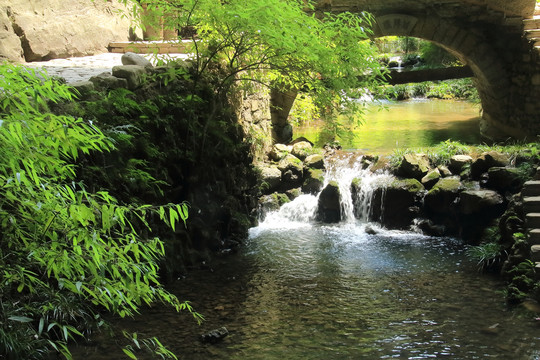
point(314, 161)
point(270, 177)
point(477, 210)
point(279, 151)
point(134, 74)
point(480, 203)
point(272, 202)
point(83, 89)
point(487, 160)
point(313, 181)
point(48, 29)
point(505, 179)
point(302, 149)
point(459, 163)
point(130, 58)
point(105, 81)
point(414, 166)
point(329, 205)
point(439, 203)
point(431, 178)
point(292, 170)
point(400, 200)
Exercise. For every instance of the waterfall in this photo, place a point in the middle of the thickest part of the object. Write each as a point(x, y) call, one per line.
point(355, 200)
point(346, 171)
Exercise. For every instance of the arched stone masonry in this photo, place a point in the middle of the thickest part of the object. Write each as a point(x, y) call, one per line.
point(473, 50)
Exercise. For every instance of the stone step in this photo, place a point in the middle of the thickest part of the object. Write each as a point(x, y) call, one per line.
point(532, 34)
point(531, 188)
point(531, 24)
point(535, 253)
point(149, 47)
point(534, 237)
point(532, 220)
point(531, 204)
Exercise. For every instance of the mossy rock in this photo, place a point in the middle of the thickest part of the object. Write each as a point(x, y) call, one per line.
point(410, 185)
point(291, 162)
point(313, 181)
point(506, 179)
point(431, 178)
point(314, 161)
point(441, 197)
point(414, 166)
point(401, 200)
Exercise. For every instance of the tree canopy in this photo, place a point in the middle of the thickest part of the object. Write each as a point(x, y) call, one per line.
point(285, 44)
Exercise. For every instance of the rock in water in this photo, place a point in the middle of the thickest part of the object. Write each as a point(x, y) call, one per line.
point(329, 206)
point(215, 336)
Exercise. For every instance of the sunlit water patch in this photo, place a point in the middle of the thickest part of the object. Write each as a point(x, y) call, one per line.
point(409, 124)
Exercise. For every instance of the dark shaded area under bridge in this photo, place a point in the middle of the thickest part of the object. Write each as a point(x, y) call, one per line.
point(414, 76)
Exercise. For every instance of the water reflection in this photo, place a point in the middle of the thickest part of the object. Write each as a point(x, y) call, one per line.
point(336, 292)
point(413, 123)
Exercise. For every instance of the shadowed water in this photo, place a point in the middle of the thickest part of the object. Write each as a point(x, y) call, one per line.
point(298, 289)
point(335, 292)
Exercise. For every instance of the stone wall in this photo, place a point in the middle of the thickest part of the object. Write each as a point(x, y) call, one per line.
point(33, 30)
point(253, 111)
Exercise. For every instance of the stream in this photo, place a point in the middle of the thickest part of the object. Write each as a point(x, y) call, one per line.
point(407, 124)
point(298, 289)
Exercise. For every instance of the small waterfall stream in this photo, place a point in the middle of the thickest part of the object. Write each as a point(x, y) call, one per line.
point(355, 205)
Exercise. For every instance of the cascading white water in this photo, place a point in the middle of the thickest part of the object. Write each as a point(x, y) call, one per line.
point(343, 170)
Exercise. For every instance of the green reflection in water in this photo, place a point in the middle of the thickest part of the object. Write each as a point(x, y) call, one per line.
point(410, 124)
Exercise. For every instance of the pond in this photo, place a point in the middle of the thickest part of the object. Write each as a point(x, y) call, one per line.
point(336, 292)
point(410, 124)
point(298, 289)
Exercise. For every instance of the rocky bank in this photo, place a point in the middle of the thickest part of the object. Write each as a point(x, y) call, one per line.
point(48, 29)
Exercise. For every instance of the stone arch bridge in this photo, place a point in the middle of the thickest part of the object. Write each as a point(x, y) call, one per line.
point(499, 40)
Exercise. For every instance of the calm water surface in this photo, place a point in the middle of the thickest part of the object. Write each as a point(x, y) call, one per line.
point(413, 124)
point(300, 291)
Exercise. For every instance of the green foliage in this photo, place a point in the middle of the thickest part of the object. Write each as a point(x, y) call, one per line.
point(303, 110)
point(523, 283)
point(487, 255)
point(434, 55)
point(443, 152)
point(66, 254)
point(282, 44)
point(151, 345)
point(449, 89)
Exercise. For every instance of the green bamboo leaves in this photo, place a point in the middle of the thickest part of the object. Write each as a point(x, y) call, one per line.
point(65, 253)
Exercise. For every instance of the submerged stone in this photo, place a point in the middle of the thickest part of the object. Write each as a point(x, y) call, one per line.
point(215, 336)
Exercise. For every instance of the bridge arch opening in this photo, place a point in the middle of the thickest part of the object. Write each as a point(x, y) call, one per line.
point(489, 74)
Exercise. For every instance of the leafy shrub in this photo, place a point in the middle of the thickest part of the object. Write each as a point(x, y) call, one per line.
point(66, 254)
